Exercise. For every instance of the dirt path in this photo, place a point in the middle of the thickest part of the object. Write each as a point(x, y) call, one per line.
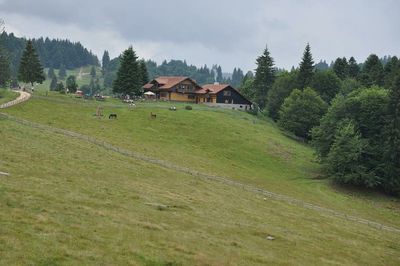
point(221, 179)
point(23, 96)
point(80, 74)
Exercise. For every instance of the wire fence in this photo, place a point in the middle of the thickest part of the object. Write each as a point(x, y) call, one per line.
point(203, 175)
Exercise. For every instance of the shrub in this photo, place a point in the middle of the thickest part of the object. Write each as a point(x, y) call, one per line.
point(188, 107)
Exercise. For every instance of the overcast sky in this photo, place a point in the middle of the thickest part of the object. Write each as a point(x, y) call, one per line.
point(227, 32)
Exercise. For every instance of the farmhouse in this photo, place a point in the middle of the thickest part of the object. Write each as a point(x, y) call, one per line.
point(181, 89)
point(184, 89)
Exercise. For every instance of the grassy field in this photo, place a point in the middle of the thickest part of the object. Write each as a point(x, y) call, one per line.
point(82, 77)
point(71, 202)
point(7, 95)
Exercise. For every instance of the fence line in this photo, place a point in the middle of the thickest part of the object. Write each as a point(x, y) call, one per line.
point(207, 176)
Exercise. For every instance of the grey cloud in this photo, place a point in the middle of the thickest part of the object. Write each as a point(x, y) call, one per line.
point(231, 33)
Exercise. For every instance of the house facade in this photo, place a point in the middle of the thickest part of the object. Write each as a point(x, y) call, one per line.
point(181, 89)
point(184, 89)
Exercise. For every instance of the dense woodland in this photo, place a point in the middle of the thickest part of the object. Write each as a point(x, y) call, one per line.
point(349, 112)
point(52, 53)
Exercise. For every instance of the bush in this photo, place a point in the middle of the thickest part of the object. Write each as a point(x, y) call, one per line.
point(188, 107)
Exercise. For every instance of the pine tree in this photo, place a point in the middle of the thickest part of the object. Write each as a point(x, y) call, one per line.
point(30, 69)
point(4, 68)
point(50, 73)
point(306, 70)
point(264, 78)
point(93, 72)
point(71, 84)
point(354, 69)
point(219, 74)
point(60, 87)
point(144, 76)
point(62, 73)
point(53, 84)
point(341, 68)
point(372, 72)
point(392, 156)
point(128, 75)
point(105, 62)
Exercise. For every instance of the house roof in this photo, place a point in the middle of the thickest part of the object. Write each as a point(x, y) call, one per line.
point(167, 82)
point(213, 88)
point(148, 86)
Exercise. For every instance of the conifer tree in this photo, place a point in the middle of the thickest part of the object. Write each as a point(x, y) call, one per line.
point(264, 78)
point(219, 74)
point(62, 73)
point(128, 75)
point(354, 69)
point(71, 84)
point(50, 73)
point(105, 62)
point(4, 68)
point(306, 70)
point(372, 72)
point(143, 72)
point(30, 69)
point(341, 68)
point(53, 84)
point(93, 72)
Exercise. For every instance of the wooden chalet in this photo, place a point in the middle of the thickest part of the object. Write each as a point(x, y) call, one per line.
point(184, 89)
point(181, 89)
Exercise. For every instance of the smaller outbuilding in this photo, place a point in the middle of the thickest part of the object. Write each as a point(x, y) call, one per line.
point(223, 95)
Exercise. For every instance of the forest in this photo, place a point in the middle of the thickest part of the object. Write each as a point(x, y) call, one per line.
point(349, 112)
point(54, 53)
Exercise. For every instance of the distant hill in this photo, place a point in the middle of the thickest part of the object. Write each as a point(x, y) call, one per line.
point(52, 53)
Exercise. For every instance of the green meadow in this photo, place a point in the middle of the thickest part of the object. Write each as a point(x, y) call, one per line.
point(67, 201)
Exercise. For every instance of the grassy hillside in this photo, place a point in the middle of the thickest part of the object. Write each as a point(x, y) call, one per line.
point(7, 95)
point(82, 77)
point(84, 204)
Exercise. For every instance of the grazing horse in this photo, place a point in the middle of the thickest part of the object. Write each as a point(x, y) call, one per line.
point(153, 115)
point(112, 116)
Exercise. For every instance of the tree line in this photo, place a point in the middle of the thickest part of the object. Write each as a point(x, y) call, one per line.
point(202, 75)
point(349, 112)
point(52, 53)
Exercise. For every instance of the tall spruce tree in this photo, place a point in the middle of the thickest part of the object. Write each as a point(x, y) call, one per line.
point(392, 156)
point(264, 78)
point(354, 69)
point(219, 74)
point(128, 76)
point(50, 73)
point(372, 72)
point(105, 61)
point(62, 73)
point(30, 69)
point(4, 68)
point(93, 72)
point(306, 70)
point(341, 68)
point(143, 72)
point(53, 83)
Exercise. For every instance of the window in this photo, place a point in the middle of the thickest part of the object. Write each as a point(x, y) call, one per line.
point(227, 93)
point(191, 96)
point(163, 94)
